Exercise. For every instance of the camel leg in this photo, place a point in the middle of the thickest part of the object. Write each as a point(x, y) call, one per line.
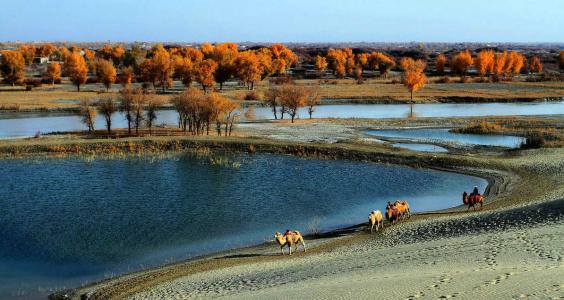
point(303, 244)
point(371, 228)
point(282, 250)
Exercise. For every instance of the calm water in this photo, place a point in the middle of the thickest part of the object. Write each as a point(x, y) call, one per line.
point(421, 147)
point(25, 125)
point(443, 135)
point(68, 221)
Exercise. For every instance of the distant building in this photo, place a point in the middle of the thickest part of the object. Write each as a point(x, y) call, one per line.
point(40, 60)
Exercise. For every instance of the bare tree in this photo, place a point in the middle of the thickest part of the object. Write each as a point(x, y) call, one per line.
point(107, 108)
point(126, 106)
point(153, 104)
point(88, 113)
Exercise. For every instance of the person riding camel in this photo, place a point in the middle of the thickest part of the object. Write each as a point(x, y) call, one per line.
point(288, 232)
point(475, 191)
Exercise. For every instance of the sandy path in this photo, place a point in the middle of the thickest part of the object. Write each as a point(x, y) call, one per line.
point(511, 254)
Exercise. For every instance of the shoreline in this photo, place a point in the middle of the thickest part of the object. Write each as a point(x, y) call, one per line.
point(500, 184)
point(331, 101)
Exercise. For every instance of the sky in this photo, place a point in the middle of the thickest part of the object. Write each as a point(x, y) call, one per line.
point(283, 20)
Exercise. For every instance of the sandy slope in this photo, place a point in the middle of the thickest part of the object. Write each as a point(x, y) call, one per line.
point(512, 254)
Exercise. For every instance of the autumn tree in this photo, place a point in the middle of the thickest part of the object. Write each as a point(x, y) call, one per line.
point(162, 66)
point(500, 62)
point(320, 65)
point(294, 97)
point(312, 99)
point(12, 66)
point(339, 61)
point(282, 58)
point(46, 50)
point(248, 68)
point(440, 63)
point(205, 71)
point(147, 72)
point(107, 108)
point(381, 62)
point(461, 63)
point(139, 100)
point(535, 65)
point(516, 62)
point(272, 99)
point(106, 73)
point(53, 72)
point(126, 76)
point(413, 74)
point(485, 62)
point(28, 52)
point(224, 55)
point(265, 61)
point(76, 69)
point(88, 114)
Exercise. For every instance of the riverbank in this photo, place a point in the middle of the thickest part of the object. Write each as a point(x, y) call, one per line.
point(63, 98)
point(516, 178)
point(446, 247)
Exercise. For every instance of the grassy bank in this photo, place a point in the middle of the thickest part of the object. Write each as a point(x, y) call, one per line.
point(63, 97)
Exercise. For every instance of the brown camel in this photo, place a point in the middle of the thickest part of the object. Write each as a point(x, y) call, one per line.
point(392, 213)
point(289, 239)
point(403, 208)
point(375, 218)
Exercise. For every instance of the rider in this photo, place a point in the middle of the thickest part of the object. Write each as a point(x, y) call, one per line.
point(288, 232)
point(475, 191)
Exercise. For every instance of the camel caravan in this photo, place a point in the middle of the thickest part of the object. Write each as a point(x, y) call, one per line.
point(395, 212)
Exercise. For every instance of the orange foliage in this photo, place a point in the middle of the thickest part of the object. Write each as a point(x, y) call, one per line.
point(381, 62)
point(46, 50)
point(53, 72)
point(126, 76)
point(76, 69)
point(106, 73)
point(205, 71)
point(535, 65)
point(485, 62)
point(28, 52)
point(341, 61)
point(12, 66)
point(413, 77)
point(440, 63)
point(248, 68)
point(161, 66)
point(282, 58)
point(461, 62)
point(320, 64)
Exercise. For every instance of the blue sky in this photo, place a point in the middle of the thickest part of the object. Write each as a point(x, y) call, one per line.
point(284, 20)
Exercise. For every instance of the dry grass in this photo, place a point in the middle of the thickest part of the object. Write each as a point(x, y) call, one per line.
point(64, 96)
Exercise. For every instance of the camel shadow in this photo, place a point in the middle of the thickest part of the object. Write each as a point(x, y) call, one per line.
point(242, 255)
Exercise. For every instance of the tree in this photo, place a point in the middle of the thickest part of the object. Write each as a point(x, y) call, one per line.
point(162, 66)
point(500, 62)
point(126, 105)
point(147, 72)
point(381, 62)
point(106, 73)
point(138, 103)
point(46, 50)
point(107, 108)
point(76, 69)
point(462, 62)
point(28, 52)
point(248, 68)
point(561, 60)
point(485, 62)
point(88, 114)
point(224, 55)
point(126, 76)
point(153, 103)
point(53, 72)
point(205, 71)
point(12, 66)
point(282, 58)
point(440, 63)
point(183, 69)
point(535, 65)
point(118, 53)
point(272, 98)
point(516, 63)
point(413, 77)
point(339, 60)
point(312, 99)
point(293, 97)
point(320, 65)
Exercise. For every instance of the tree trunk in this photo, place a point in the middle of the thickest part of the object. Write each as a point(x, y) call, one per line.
point(411, 94)
point(252, 85)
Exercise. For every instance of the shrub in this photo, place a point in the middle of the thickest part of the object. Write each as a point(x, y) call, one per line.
point(253, 95)
point(444, 79)
point(533, 140)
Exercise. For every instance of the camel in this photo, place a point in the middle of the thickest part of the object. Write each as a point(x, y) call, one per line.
point(375, 218)
point(289, 239)
point(392, 213)
point(473, 200)
point(403, 208)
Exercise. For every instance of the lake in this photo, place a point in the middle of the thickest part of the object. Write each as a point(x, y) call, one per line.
point(444, 135)
point(69, 221)
point(14, 125)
